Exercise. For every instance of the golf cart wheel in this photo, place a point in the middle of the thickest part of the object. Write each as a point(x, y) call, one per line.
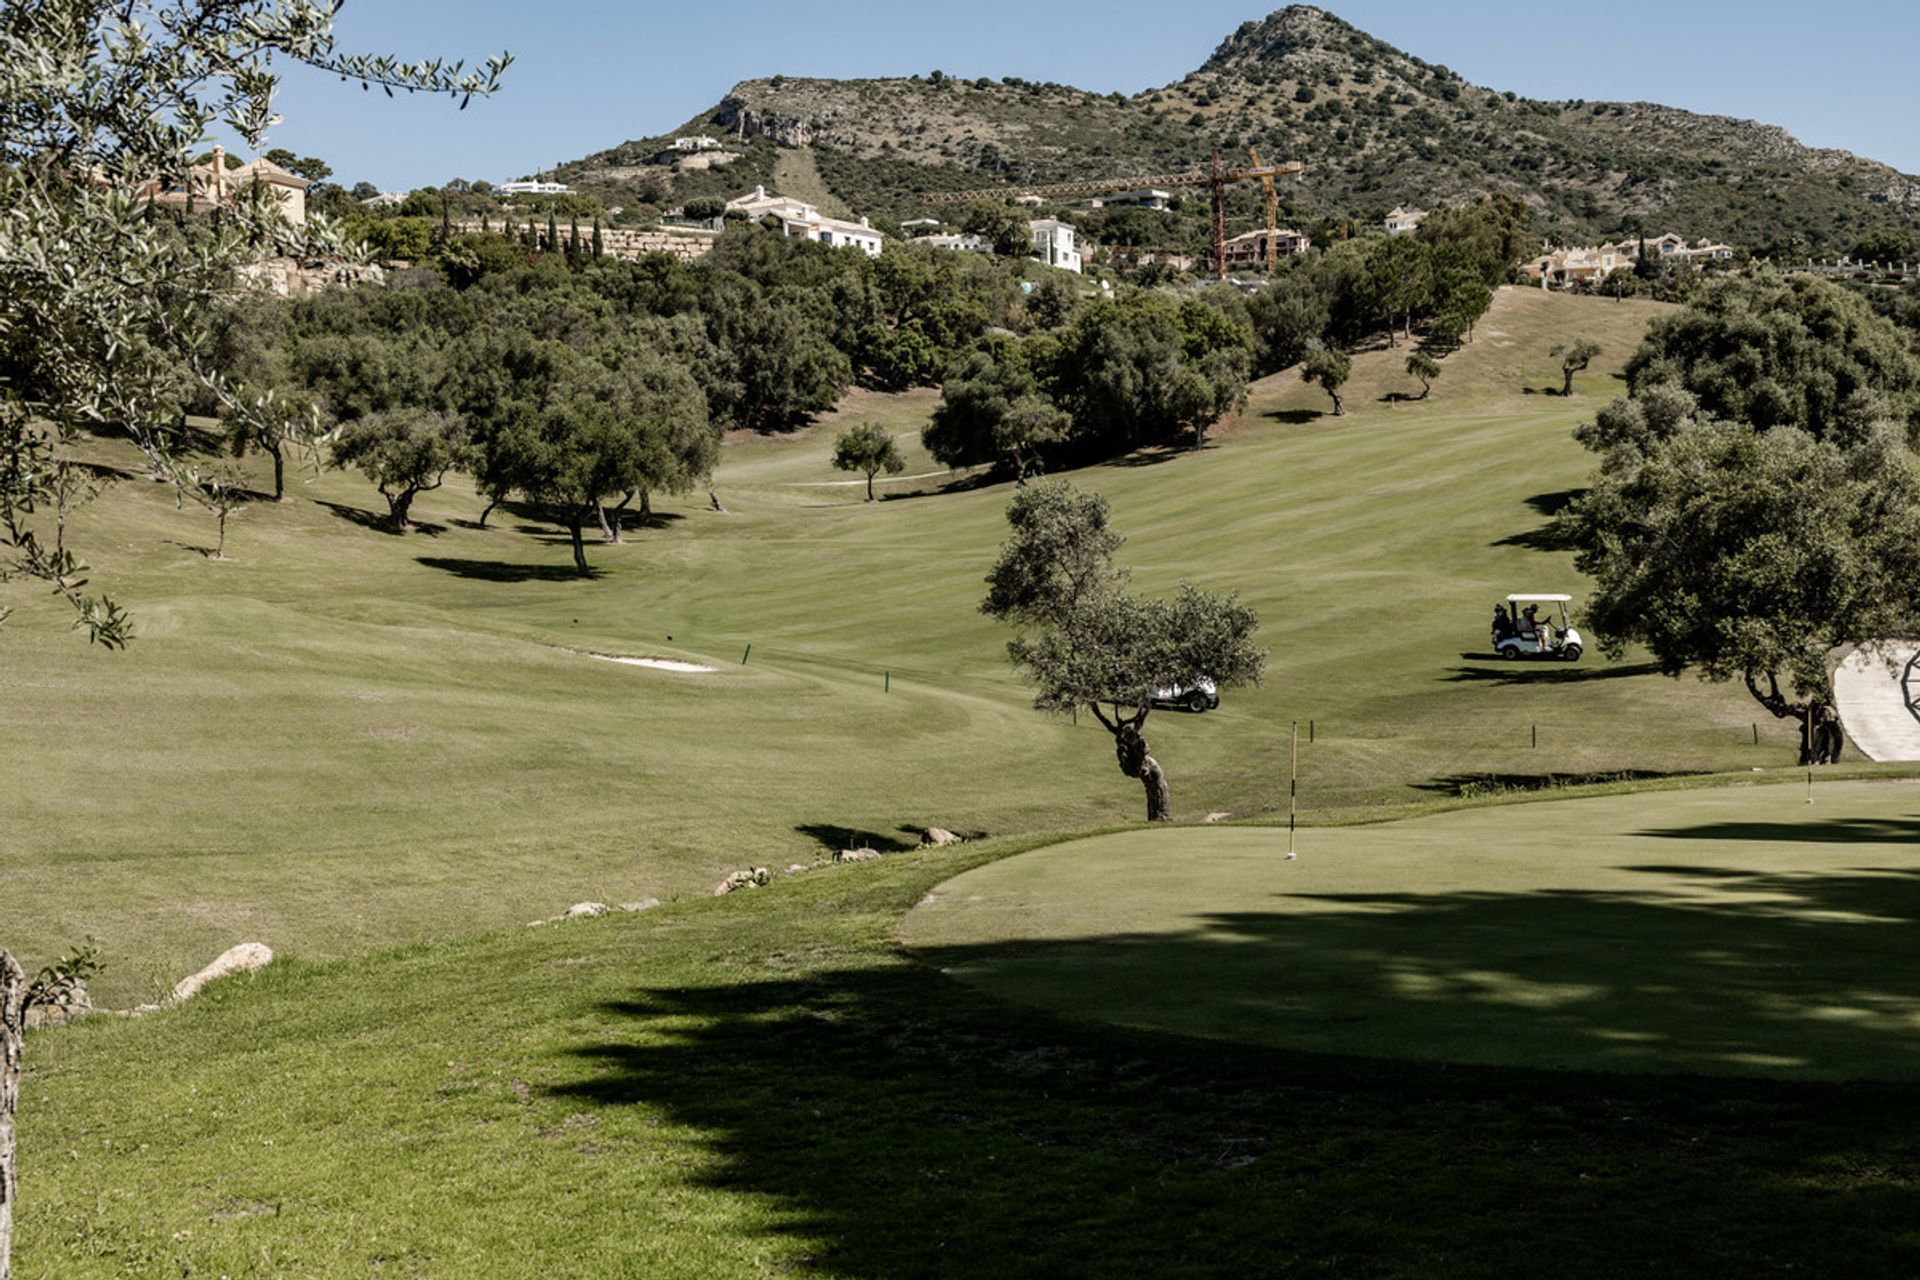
point(1197, 701)
point(1571, 653)
point(1510, 652)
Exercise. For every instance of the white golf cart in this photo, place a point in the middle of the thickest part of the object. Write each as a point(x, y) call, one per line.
point(1516, 639)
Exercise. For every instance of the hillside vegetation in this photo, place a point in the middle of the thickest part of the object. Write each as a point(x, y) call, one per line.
point(1375, 126)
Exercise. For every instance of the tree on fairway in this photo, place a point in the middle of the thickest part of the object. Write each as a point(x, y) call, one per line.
point(1087, 642)
point(404, 452)
point(1424, 367)
point(870, 448)
point(102, 306)
point(1574, 358)
point(1750, 554)
point(1329, 369)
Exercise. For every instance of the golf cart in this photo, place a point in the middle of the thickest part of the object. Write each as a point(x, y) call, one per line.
point(1515, 639)
point(1201, 695)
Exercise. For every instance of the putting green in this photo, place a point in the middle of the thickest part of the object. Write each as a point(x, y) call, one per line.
point(1730, 931)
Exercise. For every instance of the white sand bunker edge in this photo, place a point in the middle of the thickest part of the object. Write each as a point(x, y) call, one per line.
point(657, 664)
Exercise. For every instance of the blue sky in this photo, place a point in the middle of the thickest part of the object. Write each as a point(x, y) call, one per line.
point(588, 75)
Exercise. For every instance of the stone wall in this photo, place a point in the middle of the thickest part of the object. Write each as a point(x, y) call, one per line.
point(627, 242)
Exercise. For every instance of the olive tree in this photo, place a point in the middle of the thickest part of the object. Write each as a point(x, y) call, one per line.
point(1750, 555)
point(404, 452)
point(1328, 369)
point(867, 447)
point(102, 304)
point(1574, 357)
point(1086, 641)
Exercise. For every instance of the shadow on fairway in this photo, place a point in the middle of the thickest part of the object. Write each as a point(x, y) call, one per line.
point(834, 839)
point(1546, 671)
point(1834, 831)
point(1547, 537)
point(504, 571)
point(898, 1124)
point(1470, 784)
point(1802, 974)
point(378, 523)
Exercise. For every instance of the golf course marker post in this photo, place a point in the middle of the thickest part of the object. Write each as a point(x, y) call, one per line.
point(1293, 790)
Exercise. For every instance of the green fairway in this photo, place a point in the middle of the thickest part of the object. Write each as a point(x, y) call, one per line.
point(1734, 930)
point(341, 737)
point(765, 1085)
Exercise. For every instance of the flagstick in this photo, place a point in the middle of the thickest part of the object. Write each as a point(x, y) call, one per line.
point(1293, 791)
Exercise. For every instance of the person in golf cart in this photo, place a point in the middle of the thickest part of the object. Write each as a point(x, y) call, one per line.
point(1525, 628)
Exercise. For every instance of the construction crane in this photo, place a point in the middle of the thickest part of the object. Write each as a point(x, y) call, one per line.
point(1217, 179)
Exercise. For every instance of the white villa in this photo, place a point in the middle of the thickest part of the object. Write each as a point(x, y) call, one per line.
point(1402, 221)
point(958, 243)
point(385, 200)
point(528, 188)
point(700, 143)
point(804, 222)
point(1053, 244)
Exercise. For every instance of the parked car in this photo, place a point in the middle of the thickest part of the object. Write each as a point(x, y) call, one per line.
point(1197, 697)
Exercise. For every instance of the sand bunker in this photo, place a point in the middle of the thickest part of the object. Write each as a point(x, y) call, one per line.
point(658, 664)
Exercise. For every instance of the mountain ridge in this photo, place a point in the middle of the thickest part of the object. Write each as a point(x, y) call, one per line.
point(1375, 125)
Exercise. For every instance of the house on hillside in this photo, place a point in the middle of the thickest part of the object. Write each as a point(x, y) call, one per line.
point(215, 185)
point(1402, 221)
point(1250, 250)
point(530, 188)
point(1146, 198)
point(1578, 268)
point(958, 243)
point(700, 143)
point(1053, 243)
point(920, 226)
point(802, 221)
point(385, 200)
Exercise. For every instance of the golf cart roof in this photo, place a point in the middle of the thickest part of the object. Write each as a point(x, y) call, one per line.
point(1523, 598)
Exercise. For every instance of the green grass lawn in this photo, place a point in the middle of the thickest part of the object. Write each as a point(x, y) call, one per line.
point(766, 1085)
point(1730, 930)
point(341, 737)
point(383, 754)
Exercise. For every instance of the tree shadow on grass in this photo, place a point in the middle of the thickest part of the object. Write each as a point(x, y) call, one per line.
point(1298, 417)
point(835, 839)
point(1823, 831)
point(1548, 537)
point(1153, 456)
point(504, 571)
point(1545, 671)
point(896, 1124)
point(378, 523)
point(1481, 784)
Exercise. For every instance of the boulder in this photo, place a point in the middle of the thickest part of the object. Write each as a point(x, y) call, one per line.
point(245, 958)
point(938, 836)
point(743, 880)
point(797, 867)
point(580, 910)
point(857, 855)
point(645, 904)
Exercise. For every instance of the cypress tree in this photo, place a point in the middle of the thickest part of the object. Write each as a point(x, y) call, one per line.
point(484, 228)
point(599, 245)
point(446, 220)
point(553, 233)
point(573, 238)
